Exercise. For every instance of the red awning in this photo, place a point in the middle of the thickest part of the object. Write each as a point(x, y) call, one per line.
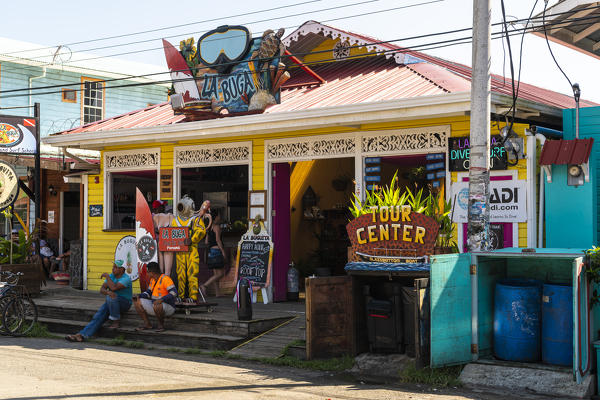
point(560, 152)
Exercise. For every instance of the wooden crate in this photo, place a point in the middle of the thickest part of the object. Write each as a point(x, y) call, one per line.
point(32, 277)
point(330, 323)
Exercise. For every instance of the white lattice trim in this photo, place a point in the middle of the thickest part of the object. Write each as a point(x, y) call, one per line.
point(311, 147)
point(132, 159)
point(353, 40)
point(413, 140)
point(207, 154)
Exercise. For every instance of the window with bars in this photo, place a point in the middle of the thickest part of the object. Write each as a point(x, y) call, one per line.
point(93, 101)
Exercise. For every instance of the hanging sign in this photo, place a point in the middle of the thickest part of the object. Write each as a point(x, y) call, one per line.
point(126, 251)
point(372, 160)
point(390, 229)
point(17, 135)
point(255, 255)
point(434, 166)
point(373, 169)
point(435, 156)
point(459, 150)
point(508, 201)
point(9, 185)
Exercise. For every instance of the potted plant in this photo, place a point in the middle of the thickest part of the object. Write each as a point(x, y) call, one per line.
point(18, 256)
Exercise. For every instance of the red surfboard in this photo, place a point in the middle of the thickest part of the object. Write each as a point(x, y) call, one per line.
point(145, 240)
point(183, 79)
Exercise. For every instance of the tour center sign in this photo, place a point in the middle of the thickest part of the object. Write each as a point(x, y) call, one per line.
point(393, 231)
point(508, 201)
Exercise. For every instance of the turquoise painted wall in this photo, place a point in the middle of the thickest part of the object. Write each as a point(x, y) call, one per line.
point(58, 115)
point(571, 212)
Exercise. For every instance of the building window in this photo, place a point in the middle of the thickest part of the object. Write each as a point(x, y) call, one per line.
point(123, 185)
point(69, 96)
point(92, 106)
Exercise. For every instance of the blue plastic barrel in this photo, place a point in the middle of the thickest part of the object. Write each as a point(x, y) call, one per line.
point(557, 324)
point(517, 309)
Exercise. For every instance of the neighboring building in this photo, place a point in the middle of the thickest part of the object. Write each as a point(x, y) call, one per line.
point(76, 95)
point(345, 106)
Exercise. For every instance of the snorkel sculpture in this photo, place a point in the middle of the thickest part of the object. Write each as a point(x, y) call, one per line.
point(228, 72)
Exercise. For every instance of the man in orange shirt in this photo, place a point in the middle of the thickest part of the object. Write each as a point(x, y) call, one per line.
point(157, 300)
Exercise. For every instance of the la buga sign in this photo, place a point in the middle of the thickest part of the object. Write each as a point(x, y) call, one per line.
point(388, 229)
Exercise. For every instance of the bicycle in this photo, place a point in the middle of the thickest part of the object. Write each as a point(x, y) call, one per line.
point(19, 312)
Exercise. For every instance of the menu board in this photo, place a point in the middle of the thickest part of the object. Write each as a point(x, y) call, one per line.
point(255, 255)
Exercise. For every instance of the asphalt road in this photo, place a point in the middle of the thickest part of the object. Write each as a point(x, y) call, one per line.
point(35, 369)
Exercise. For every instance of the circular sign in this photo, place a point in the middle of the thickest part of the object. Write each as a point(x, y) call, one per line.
point(126, 251)
point(10, 135)
point(146, 249)
point(463, 198)
point(9, 186)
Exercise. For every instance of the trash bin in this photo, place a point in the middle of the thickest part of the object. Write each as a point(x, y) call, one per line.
point(383, 330)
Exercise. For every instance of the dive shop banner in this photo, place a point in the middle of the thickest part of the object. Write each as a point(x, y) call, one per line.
point(17, 135)
point(507, 201)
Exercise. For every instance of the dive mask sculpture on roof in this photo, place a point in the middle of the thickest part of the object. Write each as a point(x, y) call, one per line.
point(228, 72)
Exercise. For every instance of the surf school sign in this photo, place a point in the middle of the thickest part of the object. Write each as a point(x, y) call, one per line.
point(389, 229)
point(17, 135)
point(459, 151)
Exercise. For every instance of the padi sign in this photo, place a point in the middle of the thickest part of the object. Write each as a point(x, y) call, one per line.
point(507, 201)
point(9, 185)
point(226, 72)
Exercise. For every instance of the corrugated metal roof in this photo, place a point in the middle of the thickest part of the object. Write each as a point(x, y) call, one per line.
point(561, 152)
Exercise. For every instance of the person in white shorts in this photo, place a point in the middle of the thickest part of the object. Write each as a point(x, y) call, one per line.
point(158, 300)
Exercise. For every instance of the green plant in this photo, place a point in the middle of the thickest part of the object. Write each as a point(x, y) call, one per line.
point(592, 270)
point(446, 376)
point(388, 196)
point(20, 252)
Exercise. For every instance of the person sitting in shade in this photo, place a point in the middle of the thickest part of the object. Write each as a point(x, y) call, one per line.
point(118, 291)
point(158, 300)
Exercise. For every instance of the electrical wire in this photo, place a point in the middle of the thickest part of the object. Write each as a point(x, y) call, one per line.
point(550, 48)
point(439, 44)
point(191, 33)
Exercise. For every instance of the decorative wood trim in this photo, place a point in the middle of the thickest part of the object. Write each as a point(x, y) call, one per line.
point(212, 154)
point(310, 147)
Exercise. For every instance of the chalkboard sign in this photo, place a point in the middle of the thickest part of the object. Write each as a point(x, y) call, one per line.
point(459, 150)
point(255, 255)
point(95, 210)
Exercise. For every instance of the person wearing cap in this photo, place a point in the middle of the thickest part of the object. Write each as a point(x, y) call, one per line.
point(118, 290)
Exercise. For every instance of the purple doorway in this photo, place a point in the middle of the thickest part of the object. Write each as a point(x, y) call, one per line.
point(281, 229)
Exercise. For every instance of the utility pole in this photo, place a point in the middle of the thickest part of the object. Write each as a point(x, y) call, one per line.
point(479, 170)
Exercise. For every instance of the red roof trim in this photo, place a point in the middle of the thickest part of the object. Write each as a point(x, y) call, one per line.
point(563, 152)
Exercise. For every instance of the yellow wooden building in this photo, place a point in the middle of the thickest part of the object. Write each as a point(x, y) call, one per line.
point(354, 103)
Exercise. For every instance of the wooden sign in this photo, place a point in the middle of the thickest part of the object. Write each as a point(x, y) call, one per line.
point(255, 255)
point(393, 231)
point(166, 184)
point(173, 238)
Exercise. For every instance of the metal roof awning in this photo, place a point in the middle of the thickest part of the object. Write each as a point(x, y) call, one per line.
point(575, 152)
point(572, 23)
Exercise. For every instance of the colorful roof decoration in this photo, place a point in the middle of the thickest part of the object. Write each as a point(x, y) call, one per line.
point(562, 152)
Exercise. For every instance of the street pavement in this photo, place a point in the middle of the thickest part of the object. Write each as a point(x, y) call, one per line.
point(32, 369)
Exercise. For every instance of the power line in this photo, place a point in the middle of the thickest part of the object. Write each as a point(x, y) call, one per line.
point(266, 20)
point(166, 28)
point(450, 41)
point(425, 46)
point(550, 48)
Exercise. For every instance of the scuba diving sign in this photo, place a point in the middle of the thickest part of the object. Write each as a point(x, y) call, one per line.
point(9, 185)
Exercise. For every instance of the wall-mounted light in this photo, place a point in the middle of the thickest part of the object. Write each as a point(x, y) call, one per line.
point(52, 190)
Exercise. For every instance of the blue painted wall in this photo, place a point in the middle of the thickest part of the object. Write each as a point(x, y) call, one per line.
point(571, 212)
point(58, 115)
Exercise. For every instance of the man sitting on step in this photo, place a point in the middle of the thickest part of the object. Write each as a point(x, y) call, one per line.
point(118, 291)
point(157, 300)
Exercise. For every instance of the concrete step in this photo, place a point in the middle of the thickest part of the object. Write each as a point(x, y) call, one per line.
point(196, 322)
point(170, 337)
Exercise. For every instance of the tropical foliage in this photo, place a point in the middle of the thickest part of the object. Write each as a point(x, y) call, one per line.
point(19, 251)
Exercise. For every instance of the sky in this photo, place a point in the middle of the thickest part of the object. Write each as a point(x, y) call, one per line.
point(66, 22)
